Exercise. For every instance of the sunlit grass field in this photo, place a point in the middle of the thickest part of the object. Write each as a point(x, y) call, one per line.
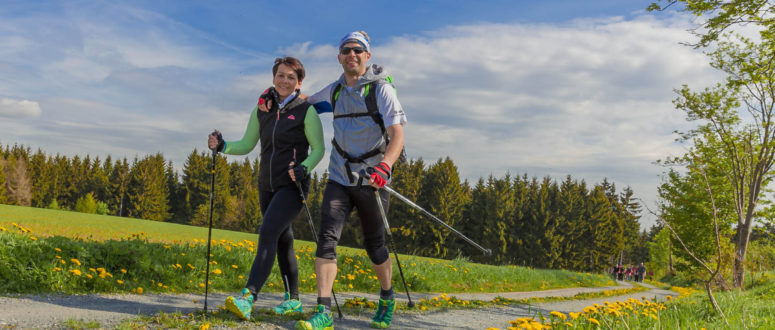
point(50, 251)
point(70, 252)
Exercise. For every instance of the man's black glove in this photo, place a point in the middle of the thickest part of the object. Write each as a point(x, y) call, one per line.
point(299, 172)
point(221, 144)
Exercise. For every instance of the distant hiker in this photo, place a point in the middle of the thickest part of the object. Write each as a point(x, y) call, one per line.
point(292, 144)
point(641, 271)
point(368, 135)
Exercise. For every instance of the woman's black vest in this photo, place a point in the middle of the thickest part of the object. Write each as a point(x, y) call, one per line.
point(282, 140)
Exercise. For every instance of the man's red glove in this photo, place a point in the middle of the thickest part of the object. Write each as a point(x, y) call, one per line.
point(380, 174)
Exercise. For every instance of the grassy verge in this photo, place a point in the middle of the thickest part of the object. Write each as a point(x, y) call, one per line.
point(750, 309)
point(107, 256)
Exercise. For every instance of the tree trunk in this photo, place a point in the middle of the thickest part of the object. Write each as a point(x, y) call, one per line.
point(741, 246)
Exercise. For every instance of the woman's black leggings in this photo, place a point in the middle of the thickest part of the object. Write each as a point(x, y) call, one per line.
point(275, 238)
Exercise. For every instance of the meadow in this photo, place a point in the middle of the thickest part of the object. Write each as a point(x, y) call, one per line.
point(69, 252)
point(49, 251)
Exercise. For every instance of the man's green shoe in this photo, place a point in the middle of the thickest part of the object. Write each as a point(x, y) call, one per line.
point(321, 320)
point(241, 306)
point(384, 314)
point(288, 306)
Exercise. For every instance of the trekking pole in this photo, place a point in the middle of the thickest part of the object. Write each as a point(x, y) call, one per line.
point(390, 236)
point(315, 236)
point(412, 204)
point(210, 228)
point(392, 244)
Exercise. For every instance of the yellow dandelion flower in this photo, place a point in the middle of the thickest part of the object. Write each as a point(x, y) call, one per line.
point(123, 271)
point(234, 266)
point(119, 281)
point(653, 316)
point(190, 266)
point(62, 262)
point(593, 321)
point(33, 238)
point(89, 276)
point(201, 285)
point(75, 272)
point(568, 324)
point(56, 269)
point(558, 315)
point(75, 261)
point(58, 257)
point(217, 272)
point(241, 277)
point(160, 285)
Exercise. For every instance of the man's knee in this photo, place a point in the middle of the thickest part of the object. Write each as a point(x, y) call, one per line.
point(378, 255)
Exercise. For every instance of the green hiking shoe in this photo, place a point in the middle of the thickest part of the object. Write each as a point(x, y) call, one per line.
point(321, 320)
point(288, 306)
point(241, 306)
point(384, 314)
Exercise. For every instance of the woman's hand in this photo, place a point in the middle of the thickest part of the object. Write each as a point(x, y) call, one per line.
point(215, 141)
point(297, 171)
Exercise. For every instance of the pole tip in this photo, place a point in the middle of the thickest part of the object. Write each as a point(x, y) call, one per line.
point(488, 252)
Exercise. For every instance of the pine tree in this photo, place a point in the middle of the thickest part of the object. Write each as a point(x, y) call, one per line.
point(196, 185)
point(40, 172)
point(147, 191)
point(443, 196)
point(119, 184)
point(407, 181)
point(608, 231)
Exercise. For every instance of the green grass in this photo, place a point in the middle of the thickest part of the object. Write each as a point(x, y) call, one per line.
point(70, 252)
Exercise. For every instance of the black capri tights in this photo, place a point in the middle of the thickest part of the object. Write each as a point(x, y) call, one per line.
point(338, 202)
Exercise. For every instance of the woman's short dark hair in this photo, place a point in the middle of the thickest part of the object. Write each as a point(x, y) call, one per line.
point(292, 62)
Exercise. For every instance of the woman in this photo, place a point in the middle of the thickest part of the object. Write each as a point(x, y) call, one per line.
point(286, 131)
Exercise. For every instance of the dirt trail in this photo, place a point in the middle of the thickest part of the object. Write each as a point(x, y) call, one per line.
point(50, 311)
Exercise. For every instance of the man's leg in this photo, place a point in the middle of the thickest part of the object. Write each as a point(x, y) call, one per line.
point(334, 211)
point(325, 269)
point(373, 227)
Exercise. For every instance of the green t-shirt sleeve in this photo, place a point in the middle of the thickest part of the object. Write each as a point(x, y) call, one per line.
point(313, 129)
point(250, 138)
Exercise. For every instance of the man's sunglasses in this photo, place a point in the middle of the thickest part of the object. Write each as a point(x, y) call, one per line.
point(357, 50)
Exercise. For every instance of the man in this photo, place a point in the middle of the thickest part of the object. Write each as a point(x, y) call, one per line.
point(361, 145)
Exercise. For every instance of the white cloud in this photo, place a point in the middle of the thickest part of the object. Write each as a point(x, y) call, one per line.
point(19, 108)
point(589, 98)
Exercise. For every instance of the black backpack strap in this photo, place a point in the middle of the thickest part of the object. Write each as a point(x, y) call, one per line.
point(350, 159)
point(334, 96)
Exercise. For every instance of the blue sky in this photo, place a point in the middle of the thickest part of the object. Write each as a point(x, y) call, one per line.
point(538, 87)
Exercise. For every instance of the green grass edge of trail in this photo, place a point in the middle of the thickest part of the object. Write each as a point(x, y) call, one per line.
point(70, 252)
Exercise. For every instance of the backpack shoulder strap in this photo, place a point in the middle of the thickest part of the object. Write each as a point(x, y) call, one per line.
point(370, 97)
point(335, 95)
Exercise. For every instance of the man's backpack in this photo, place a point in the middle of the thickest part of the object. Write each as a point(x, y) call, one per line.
point(370, 97)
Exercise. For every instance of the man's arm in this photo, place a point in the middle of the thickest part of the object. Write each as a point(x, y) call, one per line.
point(396, 134)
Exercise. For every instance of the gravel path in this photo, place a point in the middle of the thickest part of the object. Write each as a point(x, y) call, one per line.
point(50, 311)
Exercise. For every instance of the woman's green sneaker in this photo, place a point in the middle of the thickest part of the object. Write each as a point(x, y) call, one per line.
point(241, 306)
point(384, 314)
point(321, 320)
point(288, 306)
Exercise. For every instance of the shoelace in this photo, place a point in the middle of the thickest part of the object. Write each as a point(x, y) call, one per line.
point(319, 319)
point(286, 304)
